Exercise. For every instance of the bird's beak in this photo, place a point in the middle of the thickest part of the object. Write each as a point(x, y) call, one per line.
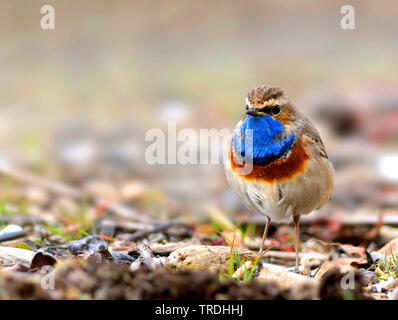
point(253, 112)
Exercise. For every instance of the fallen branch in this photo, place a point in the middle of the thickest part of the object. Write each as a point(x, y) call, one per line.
point(346, 220)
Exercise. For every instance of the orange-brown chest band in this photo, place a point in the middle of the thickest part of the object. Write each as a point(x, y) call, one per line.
point(282, 169)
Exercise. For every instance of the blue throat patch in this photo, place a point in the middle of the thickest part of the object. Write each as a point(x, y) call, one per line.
point(269, 143)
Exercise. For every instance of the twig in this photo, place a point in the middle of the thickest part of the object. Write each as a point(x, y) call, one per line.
point(282, 255)
point(346, 220)
point(143, 233)
point(146, 254)
point(126, 225)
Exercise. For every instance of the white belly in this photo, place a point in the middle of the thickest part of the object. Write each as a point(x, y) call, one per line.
point(281, 201)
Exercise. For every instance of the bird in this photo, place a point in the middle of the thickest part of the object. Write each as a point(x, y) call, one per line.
point(276, 161)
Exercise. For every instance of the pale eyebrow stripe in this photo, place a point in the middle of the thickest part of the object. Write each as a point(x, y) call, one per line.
point(270, 102)
point(247, 101)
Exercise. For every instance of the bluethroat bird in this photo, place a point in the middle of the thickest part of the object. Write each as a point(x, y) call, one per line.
point(276, 162)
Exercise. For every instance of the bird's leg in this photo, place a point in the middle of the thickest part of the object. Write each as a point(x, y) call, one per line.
point(265, 234)
point(296, 220)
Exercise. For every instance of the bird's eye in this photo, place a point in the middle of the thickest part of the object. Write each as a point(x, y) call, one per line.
point(276, 109)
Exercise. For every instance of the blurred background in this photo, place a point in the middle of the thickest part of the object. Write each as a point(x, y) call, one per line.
point(77, 101)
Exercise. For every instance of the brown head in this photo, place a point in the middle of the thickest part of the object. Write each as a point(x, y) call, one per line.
point(272, 101)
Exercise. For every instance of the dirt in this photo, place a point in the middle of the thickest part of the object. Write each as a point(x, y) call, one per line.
point(85, 279)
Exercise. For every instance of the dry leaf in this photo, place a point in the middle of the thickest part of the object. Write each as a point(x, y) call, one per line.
point(42, 259)
point(319, 245)
point(344, 265)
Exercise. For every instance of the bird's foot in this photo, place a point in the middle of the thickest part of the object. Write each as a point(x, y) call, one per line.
point(297, 269)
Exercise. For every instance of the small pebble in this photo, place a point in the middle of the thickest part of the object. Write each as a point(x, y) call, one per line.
point(92, 243)
point(120, 257)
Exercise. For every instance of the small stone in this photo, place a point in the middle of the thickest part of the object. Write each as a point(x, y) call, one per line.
point(205, 258)
point(369, 276)
point(11, 231)
point(92, 243)
point(10, 228)
point(120, 257)
point(383, 286)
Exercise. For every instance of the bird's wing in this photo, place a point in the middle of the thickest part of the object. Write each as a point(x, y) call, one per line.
point(311, 136)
